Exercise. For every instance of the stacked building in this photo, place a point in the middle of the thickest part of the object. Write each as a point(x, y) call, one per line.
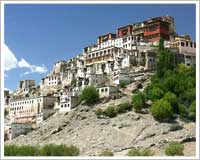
point(115, 58)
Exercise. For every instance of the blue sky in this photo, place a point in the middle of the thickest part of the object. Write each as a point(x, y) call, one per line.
point(39, 35)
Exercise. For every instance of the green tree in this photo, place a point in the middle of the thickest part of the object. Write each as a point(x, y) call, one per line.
point(162, 110)
point(172, 99)
point(192, 111)
point(165, 60)
point(138, 101)
point(183, 111)
point(155, 93)
point(90, 95)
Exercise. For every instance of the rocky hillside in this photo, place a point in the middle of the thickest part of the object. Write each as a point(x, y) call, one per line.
point(91, 135)
point(82, 128)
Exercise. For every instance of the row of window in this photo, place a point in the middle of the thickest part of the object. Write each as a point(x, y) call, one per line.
point(53, 78)
point(187, 44)
point(24, 102)
point(16, 108)
point(116, 42)
point(65, 105)
point(101, 53)
point(22, 111)
point(52, 83)
point(102, 90)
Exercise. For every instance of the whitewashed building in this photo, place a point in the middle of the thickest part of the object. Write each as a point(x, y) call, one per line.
point(106, 91)
point(27, 109)
point(121, 75)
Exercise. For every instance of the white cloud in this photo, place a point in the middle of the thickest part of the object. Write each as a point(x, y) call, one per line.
point(33, 68)
point(23, 63)
point(11, 62)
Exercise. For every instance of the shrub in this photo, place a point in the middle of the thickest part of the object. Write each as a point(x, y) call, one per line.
point(59, 150)
point(172, 99)
point(169, 82)
point(183, 112)
point(192, 111)
point(138, 152)
point(122, 84)
point(162, 110)
point(110, 112)
point(174, 149)
point(138, 101)
point(13, 150)
point(156, 93)
point(126, 106)
point(46, 150)
point(175, 127)
point(89, 95)
point(98, 112)
point(107, 152)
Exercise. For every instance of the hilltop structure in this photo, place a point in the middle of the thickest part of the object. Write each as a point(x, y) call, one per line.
point(114, 59)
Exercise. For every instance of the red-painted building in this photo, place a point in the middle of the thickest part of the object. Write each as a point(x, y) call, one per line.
point(124, 31)
point(155, 30)
point(151, 30)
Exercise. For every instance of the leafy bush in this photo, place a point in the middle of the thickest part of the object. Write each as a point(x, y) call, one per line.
point(192, 111)
point(89, 95)
point(138, 101)
point(175, 127)
point(183, 111)
point(174, 149)
point(13, 150)
point(172, 99)
point(126, 106)
point(46, 150)
point(107, 152)
point(139, 152)
point(110, 112)
point(162, 110)
point(59, 150)
point(99, 112)
point(156, 93)
point(122, 84)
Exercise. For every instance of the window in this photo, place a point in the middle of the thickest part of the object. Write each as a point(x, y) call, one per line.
point(186, 44)
point(61, 106)
point(182, 44)
point(106, 89)
point(65, 105)
point(102, 90)
point(194, 45)
point(191, 45)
